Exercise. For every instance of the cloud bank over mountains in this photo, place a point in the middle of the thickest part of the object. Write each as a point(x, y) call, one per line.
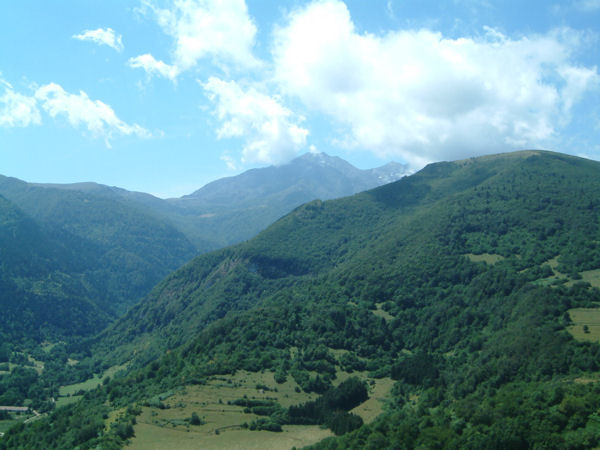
point(418, 95)
point(411, 94)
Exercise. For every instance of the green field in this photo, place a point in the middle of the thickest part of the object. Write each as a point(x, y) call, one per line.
point(69, 390)
point(382, 313)
point(6, 424)
point(589, 276)
point(14, 419)
point(379, 390)
point(582, 317)
point(63, 401)
point(150, 437)
point(487, 258)
point(166, 428)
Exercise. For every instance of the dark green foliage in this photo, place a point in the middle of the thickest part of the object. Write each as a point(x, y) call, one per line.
point(75, 425)
point(331, 408)
point(479, 351)
point(38, 297)
point(5, 351)
point(195, 419)
point(265, 425)
point(342, 422)
point(419, 368)
point(111, 249)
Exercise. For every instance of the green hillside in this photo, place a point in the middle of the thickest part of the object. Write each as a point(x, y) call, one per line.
point(39, 298)
point(117, 249)
point(528, 207)
point(456, 283)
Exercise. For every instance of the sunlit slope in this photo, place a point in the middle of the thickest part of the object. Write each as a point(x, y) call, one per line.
point(457, 284)
point(529, 205)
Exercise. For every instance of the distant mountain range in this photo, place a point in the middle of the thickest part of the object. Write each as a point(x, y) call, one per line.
point(462, 300)
point(234, 209)
point(108, 247)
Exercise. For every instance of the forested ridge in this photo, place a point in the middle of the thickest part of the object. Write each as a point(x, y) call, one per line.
point(456, 282)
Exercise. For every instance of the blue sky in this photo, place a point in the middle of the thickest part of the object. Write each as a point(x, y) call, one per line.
point(163, 96)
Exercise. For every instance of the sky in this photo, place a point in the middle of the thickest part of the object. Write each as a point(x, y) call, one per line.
point(164, 96)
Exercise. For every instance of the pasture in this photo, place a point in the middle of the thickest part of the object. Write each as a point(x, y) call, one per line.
point(223, 425)
point(586, 324)
point(487, 258)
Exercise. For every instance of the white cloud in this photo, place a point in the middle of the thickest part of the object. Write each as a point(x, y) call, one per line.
point(588, 5)
point(102, 36)
point(79, 109)
point(152, 66)
point(230, 162)
point(219, 29)
point(271, 131)
point(17, 110)
point(418, 95)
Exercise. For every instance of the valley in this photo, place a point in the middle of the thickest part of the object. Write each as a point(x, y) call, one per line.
point(456, 307)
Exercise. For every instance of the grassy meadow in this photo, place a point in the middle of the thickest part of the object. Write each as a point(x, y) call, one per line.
point(487, 258)
point(69, 393)
point(223, 427)
point(586, 324)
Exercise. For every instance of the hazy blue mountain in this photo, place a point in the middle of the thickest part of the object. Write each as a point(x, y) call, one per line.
point(42, 295)
point(233, 209)
point(118, 249)
point(115, 245)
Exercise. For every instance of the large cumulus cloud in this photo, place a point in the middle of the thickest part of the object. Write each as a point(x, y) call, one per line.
point(421, 96)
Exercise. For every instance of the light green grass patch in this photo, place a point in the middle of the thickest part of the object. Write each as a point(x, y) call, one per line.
point(150, 437)
point(63, 401)
point(378, 393)
point(47, 346)
point(488, 258)
point(585, 317)
point(379, 389)
point(5, 425)
point(379, 312)
point(166, 428)
point(589, 276)
point(88, 385)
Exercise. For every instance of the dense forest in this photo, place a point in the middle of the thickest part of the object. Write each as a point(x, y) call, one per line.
point(74, 252)
point(455, 282)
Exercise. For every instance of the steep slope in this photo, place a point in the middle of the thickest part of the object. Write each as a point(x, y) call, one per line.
point(517, 204)
point(455, 282)
point(39, 297)
point(118, 249)
point(115, 245)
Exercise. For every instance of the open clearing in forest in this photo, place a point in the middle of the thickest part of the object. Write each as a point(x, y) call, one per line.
point(380, 312)
point(586, 324)
point(158, 428)
point(149, 437)
point(14, 419)
point(589, 276)
point(87, 385)
point(166, 428)
point(487, 258)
